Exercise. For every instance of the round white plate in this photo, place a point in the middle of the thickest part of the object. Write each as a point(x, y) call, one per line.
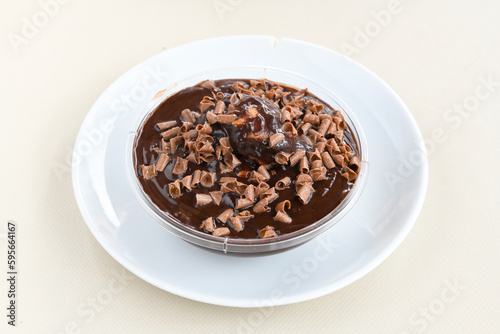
point(378, 223)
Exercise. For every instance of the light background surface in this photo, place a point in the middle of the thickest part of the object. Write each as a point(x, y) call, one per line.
point(435, 55)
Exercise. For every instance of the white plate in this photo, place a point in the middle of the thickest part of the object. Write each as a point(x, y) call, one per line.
point(378, 223)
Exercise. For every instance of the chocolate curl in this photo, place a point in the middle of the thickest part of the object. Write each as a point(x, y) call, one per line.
point(236, 223)
point(283, 183)
point(263, 171)
point(313, 136)
point(353, 164)
point(282, 158)
point(188, 116)
point(327, 160)
point(224, 216)
point(304, 165)
point(249, 193)
point(243, 203)
point(244, 215)
point(207, 179)
point(325, 124)
point(262, 187)
point(174, 142)
point(339, 122)
point(332, 147)
point(339, 135)
point(174, 189)
point(318, 173)
point(285, 115)
point(349, 174)
point(256, 177)
point(231, 160)
point(320, 146)
point(303, 179)
point(211, 117)
point(219, 107)
point(221, 232)
point(206, 103)
point(281, 206)
point(196, 178)
point(164, 146)
point(269, 194)
point(207, 157)
point(283, 217)
point(267, 232)
point(186, 182)
point(203, 146)
point(338, 158)
point(304, 192)
point(261, 206)
point(193, 157)
point(208, 225)
point(166, 125)
point(148, 172)
point(161, 163)
point(180, 166)
point(314, 106)
point(216, 196)
point(208, 84)
point(311, 118)
point(331, 130)
point(225, 169)
point(186, 126)
point(225, 145)
point(227, 179)
point(170, 133)
point(304, 128)
point(316, 164)
point(226, 119)
point(233, 99)
point(190, 135)
point(218, 152)
point(203, 199)
point(296, 157)
point(205, 128)
point(289, 129)
point(275, 139)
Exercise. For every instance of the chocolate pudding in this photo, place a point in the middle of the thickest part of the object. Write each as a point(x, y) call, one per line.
point(246, 158)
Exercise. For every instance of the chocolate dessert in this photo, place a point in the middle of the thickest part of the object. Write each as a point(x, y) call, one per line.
point(246, 158)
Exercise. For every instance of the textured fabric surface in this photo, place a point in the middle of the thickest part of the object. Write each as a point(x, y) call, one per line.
point(435, 55)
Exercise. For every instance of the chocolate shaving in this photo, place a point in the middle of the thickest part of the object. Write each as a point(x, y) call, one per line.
point(283, 183)
point(193, 157)
point(190, 135)
point(236, 223)
point(206, 103)
point(243, 203)
point(261, 206)
point(203, 199)
point(188, 116)
point(180, 166)
point(318, 173)
point(244, 215)
point(311, 118)
point(231, 160)
point(207, 157)
point(207, 179)
point(208, 84)
point(205, 128)
point(186, 181)
point(304, 128)
point(261, 187)
point(216, 196)
point(320, 146)
point(196, 178)
point(166, 125)
point(219, 107)
point(353, 164)
point(211, 117)
point(174, 142)
point(269, 194)
point(161, 163)
point(186, 126)
point(249, 193)
point(327, 160)
point(316, 164)
point(267, 232)
point(174, 189)
point(208, 225)
point(170, 133)
point(304, 192)
point(233, 99)
point(263, 171)
point(225, 145)
point(226, 118)
point(325, 124)
point(221, 232)
point(283, 217)
point(304, 165)
point(218, 152)
point(148, 172)
point(299, 154)
point(224, 216)
point(349, 174)
point(339, 159)
point(289, 129)
point(285, 115)
point(282, 158)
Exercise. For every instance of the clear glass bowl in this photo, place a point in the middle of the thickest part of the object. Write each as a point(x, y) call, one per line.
point(250, 246)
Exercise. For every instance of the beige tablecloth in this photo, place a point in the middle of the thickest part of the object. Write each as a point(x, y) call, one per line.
point(441, 57)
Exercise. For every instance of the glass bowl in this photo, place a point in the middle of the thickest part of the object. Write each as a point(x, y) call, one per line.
point(249, 246)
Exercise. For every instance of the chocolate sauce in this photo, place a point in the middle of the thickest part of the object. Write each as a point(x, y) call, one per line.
point(250, 143)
